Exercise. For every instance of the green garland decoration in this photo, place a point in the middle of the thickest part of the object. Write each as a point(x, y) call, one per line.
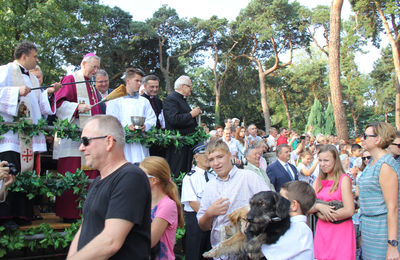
point(12, 240)
point(51, 185)
point(64, 130)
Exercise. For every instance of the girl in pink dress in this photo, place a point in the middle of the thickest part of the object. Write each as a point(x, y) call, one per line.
point(333, 240)
point(166, 208)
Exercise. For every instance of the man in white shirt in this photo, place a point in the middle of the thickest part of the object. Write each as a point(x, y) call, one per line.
point(193, 185)
point(133, 105)
point(230, 141)
point(230, 190)
point(252, 129)
point(271, 140)
point(297, 242)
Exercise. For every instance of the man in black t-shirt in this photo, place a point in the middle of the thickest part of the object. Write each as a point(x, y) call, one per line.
point(116, 214)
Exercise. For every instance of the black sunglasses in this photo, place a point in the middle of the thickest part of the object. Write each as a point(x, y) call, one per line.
point(366, 157)
point(86, 140)
point(398, 145)
point(366, 136)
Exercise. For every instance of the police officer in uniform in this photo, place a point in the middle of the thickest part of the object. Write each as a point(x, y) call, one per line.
point(197, 241)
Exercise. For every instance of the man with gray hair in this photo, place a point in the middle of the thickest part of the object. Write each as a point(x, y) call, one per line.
point(253, 153)
point(179, 116)
point(271, 140)
point(281, 171)
point(37, 72)
point(74, 104)
point(102, 83)
point(116, 214)
point(252, 129)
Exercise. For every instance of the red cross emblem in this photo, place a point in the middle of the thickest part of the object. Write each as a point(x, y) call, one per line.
point(27, 155)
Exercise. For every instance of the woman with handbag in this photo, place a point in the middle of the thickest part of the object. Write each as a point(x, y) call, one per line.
point(334, 236)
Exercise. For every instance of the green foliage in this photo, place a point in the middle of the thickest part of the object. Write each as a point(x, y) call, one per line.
point(47, 23)
point(264, 30)
point(316, 118)
point(203, 94)
point(176, 38)
point(51, 185)
point(180, 232)
point(215, 37)
point(382, 92)
point(12, 240)
point(369, 21)
point(178, 180)
point(330, 126)
point(302, 81)
point(165, 137)
point(64, 129)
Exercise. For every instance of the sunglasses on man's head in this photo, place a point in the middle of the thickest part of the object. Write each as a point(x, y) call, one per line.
point(366, 157)
point(398, 145)
point(86, 140)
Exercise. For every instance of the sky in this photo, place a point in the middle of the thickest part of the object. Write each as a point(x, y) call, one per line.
point(204, 9)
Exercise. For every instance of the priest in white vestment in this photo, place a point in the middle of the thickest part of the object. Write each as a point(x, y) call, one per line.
point(16, 96)
point(133, 105)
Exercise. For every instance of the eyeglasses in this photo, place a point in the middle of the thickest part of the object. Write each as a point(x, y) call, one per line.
point(366, 136)
point(86, 140)
point(398, 145)
point(150, 176)
point(366, 157)
point(102, 82)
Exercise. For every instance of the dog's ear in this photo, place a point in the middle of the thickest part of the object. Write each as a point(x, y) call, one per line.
point(282, 206)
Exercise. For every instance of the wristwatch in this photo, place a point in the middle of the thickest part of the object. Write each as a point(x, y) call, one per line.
point(394, 243)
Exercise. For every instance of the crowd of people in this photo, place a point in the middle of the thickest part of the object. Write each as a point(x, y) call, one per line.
point(343, 196)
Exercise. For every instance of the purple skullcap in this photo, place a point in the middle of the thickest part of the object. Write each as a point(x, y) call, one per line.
point(89, 55)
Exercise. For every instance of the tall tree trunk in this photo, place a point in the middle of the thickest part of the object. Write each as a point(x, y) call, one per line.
point(165, 74)
point(164, 69)
point(264, 102)
point(217, 89)
point(396, 60)
point(334, 70)
point(217, 107)
point(355, 120)
point(286, 110)
point(397, 114)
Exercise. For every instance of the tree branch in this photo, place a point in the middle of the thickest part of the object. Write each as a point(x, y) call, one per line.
point(316, 43)
point(395, 28)
point(384, 21)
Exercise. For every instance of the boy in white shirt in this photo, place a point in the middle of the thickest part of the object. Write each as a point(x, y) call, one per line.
point(297, 242)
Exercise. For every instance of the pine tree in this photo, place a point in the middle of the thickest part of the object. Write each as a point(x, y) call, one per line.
point(330, 127)
point(316, 118)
